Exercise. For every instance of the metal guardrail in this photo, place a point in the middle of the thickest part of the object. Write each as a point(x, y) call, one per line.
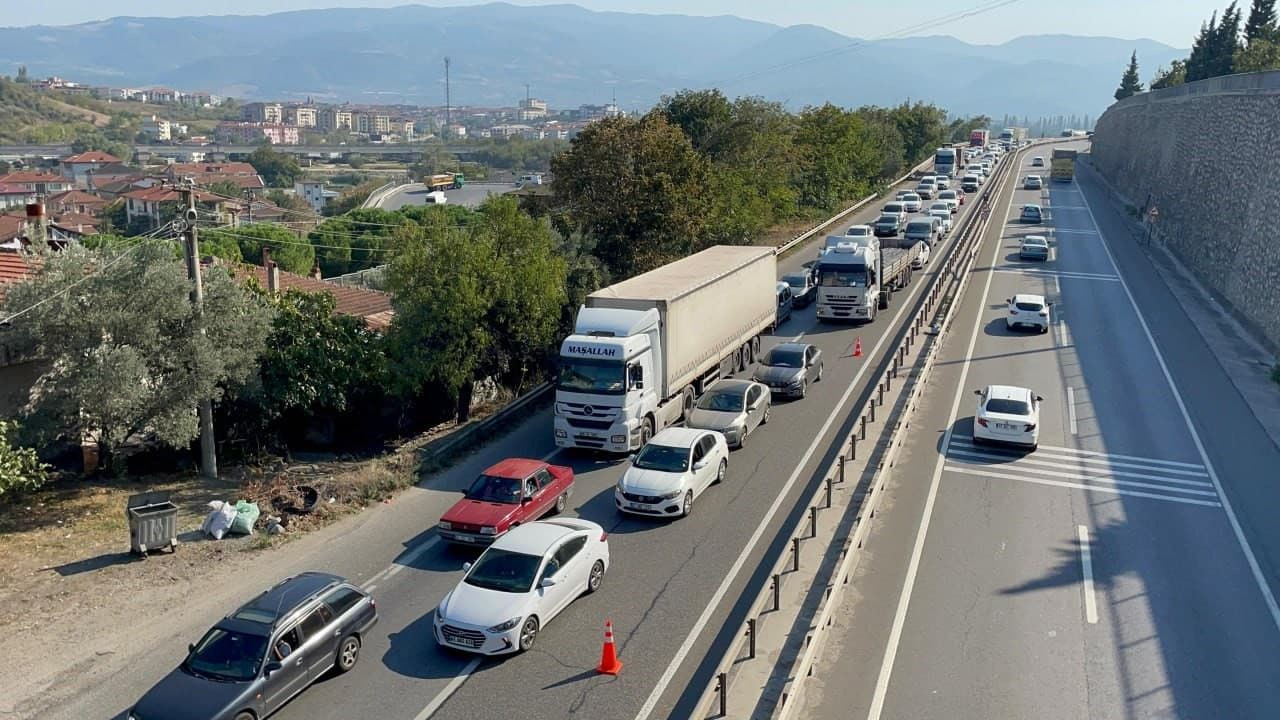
point(378, 195)
point(933, 305)
point(464, 435)
point(1267, 81)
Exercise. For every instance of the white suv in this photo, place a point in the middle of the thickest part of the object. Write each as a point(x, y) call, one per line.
point(1029, 310)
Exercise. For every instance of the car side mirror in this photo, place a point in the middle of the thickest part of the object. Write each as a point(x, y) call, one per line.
point(547, 582)
point(271, 667)
point(466, 566)
point(977, 392)
point(1039, 399)
point(1008, 300)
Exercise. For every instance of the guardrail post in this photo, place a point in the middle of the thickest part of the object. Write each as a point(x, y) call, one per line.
point(777, 590)
point(872, 410)
point(840, 471)
point(795, 554)
point(828, 483)
point(813, 521)
point(751, 639)
point(722, 688)
point(862, 432)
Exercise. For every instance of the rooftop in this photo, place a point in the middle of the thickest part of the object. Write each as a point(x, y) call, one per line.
point(93, 156)
point(517, 468)
point(372, 306)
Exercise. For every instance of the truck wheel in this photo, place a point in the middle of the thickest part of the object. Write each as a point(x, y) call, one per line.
point(885, 296)
point(755, 346)
point(686, 403)
point(741, 356)
point(748, 354)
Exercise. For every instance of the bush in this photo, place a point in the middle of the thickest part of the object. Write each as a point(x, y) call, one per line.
point(20, 469)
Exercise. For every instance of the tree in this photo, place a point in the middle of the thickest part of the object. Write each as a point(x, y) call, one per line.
point(291, 252)
point(276, 168)
point(923, 129)
point(127, 356)
point(20, 467)
point(703, 115)
point(1258, 55)
point(639, 187)
point(1226, 43)
point(1176, 74)
point(1129, 83)
point(289, 201)
point(23, 76)
point(1261, 24)
point(226, 188)
point(1197, 66)
point(961, 128)
point(836, 159)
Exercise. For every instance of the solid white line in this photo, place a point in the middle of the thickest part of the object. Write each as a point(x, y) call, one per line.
point(1071, 410)
point(1088, 457)
point(1080, 486)
point(414, 555)
point(1085, 478)
point(371, 588)
point(1062, 332)
point(1267, 595)
point(1023, 462)
point(1057, 274)
point(1086, 561)
point(1076, 232)
point(913, 567)
point(448, 690)
point(700, 624)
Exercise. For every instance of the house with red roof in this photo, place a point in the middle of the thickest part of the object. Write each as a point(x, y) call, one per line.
point(161, 203)
point(241, 174)
point(372, 306)
point(76, 167)
point(12, 195)
point(75, 201)
point(37, 182)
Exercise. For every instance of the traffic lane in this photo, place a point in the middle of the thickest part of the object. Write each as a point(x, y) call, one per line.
point(470, 195)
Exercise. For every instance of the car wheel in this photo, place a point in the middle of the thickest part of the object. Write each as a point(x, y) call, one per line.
point(720, 472)
point(245, 716)
point(348, 653)
point(596, 577)
point(687, 506)
point(767, 409)
point(1044, 329)
point(561, 502)
point(804, 388)
point(528, 633)
point(819, 378)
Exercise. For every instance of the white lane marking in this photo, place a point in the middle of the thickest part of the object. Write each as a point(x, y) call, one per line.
point(1071, 275)
point(1096, 458)
point(1068, 207)
point(913, 567)
point(413, 555)
point(1086, 562)
point(970, 451)
point(371, 588)
point(1071, 410)
point(1062, 332)
point(1082, 486)
point(448, 690)
point(1076, 232)
point(700, 624)
point(796, 338)
point(1160, 484)
point(1261, 580)
point(1118, 456)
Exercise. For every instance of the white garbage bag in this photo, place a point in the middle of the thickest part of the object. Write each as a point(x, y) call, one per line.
point(219, 519)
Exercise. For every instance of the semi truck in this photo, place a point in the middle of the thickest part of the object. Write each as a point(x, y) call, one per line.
point(1013, 136)
point(644, 349)
point(1062, 165)
point(945, 161)
point(444, 181)
point(979, 138)
point(857, 279)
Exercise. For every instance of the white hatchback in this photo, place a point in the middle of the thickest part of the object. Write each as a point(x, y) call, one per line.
point(519, 583)
point(1007, 414)
point(1028, 310)
point(671, 471)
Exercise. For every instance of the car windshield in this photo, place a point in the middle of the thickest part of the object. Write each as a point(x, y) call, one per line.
point(663, 458)
point(724, 401)
point(786, 358)
point(605, 377)
point(886, 219)
point(504, 571)
point(488, 488)
point(858, 232)
point(1034, 242)
point(227, 655)
point(796, 281)
point(1006, 406)
point(948, 194)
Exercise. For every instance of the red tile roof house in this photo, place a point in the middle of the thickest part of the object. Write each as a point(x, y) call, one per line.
point(17, 373)
point(242, 174)
point(76, 167)
point(370, 305)
point(75, 201)
point(160, 203)
point(13, 195)
point(37, 182)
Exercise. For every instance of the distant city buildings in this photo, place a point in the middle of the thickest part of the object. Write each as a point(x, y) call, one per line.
point(252, 133)
point(315, 194)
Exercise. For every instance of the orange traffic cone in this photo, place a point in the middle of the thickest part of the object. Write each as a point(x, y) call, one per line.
point(609, 663)
point(857, 347)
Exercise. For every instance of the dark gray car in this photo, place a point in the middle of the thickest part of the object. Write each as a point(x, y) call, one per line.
point(789, 368)
point(272, 648)
point(803, 288)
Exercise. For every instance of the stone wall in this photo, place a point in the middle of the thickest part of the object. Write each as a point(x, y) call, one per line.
point(1207, 155)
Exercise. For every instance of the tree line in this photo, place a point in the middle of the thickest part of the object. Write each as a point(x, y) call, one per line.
point(1222, 47)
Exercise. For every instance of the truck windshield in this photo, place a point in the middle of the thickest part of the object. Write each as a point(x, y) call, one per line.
point(592, 376)
point(842, 275)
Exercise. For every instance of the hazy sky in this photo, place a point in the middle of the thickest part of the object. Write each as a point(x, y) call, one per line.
point(1170, 21)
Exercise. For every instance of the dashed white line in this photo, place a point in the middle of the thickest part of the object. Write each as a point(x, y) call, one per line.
point(1071, 410)
point(449, 690)
point(1086, 562)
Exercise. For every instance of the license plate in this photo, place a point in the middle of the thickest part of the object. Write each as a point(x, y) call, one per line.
point(1004, 426)
point(465, 642)
point(466, 538)
point(637, 506)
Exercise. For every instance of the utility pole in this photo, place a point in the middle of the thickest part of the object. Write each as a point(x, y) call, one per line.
point(208, 452)
point(448, 101)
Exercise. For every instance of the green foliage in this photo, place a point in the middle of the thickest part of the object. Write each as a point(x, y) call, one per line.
point(923, 128)
point(128, 356)
point(1129, 83)
point(291, 252)
point(477, 301)
point(961, 128)
point(836, 159)
point(20, 468)
point(356, 240)
point(1261, 24)
point(226, 188)
point(357, 161)
point(1176, 74)
point(516, 154)
point(288, 201)
point(1259, 54)
point(276, 168)
point(1213, 52)
point(352, 199)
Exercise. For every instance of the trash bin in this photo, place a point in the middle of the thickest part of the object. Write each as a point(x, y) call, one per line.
point(153, 522)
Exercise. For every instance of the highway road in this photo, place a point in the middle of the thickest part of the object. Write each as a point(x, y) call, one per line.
point(469, 195)
point(670, 590)
point(1126, 569)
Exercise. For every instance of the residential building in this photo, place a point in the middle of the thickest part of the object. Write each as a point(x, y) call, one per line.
point(15, 196)
point(263, 112)
point(199, 99)
point(532, 109)
point(77, 224)
point(75, 201)
point(37, 182)
point(455, 131)
point(510, 130)
point(161, 203)
point(108, 174)
point(241, 174)
point(371, 123)
point(372, 306)
point(162, 96)
point(13, 227)
point(160, 130)
point(300, 115)
point(76, 167)
point(404, 128)
point(252, 133)
point(315, 194)
point(332, 119)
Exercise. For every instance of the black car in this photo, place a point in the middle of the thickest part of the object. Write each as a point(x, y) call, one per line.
point(256, 659)
point(803, 288)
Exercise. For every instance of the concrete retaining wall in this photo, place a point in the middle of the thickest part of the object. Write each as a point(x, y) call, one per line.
point(1207, 154)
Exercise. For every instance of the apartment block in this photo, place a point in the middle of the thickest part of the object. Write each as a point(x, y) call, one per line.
point(300, 115)
point(263, 113)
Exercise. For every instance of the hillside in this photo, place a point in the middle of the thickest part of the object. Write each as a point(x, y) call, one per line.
point(572, 56)
point(29, 116)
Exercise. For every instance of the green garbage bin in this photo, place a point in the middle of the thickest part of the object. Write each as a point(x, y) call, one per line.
point(153, 522)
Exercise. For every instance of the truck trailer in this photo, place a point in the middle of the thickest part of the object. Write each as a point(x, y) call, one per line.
point(979, 138)
point(444, 181)
point(644, 349)
point(856, 280)
point(1062, 166)
point(1014, 137)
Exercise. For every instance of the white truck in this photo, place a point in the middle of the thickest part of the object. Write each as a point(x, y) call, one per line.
point(945, 162)
point(643, 350)
point(857, 279)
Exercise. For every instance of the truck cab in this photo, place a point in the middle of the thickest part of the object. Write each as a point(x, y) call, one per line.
point(847, 283)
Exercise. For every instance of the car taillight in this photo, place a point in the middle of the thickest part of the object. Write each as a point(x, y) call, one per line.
point(604, 536)
point(982, 422)
point(1029, 427)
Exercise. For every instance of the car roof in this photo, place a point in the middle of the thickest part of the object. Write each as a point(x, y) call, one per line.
point(515, 468)
point(790, 346)
point(1028, 297)
point(730, 384)
point(677, 437)
point(1038, 239)
point(1008, 392)
point(1030, 205)
point(280, 600)
point(534, 538)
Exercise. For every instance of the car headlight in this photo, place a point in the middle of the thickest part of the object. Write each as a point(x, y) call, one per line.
point(444, 525)
point(621, 486)
point(561, 433)
point(505, 626)
point(671, 495)
point(487, 530)
point(618, 439)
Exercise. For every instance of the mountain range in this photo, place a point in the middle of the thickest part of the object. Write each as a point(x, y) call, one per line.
point(571, 56)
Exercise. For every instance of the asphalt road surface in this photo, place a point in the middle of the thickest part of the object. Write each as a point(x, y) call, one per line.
point(1126, 568)
point(469, 195)
point(663, 577)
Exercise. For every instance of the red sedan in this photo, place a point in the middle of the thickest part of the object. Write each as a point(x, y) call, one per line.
point(512, 492)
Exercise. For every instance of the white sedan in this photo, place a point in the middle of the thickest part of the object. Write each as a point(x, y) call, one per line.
point(522, 581)
point(671, 471)
point(912, 202)
point(1007, 414)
